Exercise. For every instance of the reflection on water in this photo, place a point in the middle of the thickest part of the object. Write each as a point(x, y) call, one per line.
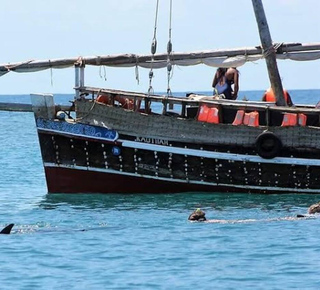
point(182, 201)
point(145, 241)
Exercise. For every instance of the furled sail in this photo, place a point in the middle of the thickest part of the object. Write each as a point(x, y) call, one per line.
point(215, 58)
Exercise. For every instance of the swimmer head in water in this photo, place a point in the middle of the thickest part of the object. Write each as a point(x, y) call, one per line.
point(315, 208)
point(197, 215)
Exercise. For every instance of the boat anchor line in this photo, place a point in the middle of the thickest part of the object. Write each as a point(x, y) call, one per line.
point(218, 155)
point(213, 184)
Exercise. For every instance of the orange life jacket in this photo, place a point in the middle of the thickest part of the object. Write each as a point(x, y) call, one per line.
point(103, 99)
point(126, 103)
point(270, 97)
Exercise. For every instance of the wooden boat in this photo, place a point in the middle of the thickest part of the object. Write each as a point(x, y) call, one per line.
point(113, 141)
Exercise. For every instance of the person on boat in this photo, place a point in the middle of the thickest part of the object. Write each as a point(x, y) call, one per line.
point(223, 81)
point(269, 96)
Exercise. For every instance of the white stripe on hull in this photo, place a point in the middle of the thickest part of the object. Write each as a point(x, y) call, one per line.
point(202, 153)
point(245, 187)
point(220, 155)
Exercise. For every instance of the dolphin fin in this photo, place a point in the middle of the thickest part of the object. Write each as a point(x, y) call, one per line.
point(7, 229)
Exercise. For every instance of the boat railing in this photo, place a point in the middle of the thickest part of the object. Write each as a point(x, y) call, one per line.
point(269, 113)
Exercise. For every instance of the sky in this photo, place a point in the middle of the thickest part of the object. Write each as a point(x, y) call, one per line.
point(50, 29)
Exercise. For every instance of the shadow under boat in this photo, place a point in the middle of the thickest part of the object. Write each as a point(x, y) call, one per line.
point(179, 201)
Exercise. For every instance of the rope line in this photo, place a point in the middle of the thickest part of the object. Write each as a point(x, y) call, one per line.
point(153, 49)
point(169, 51)
point(88, 113)
point(272, 49)
point(137, 71)
point(51, 73)
point(104, 76)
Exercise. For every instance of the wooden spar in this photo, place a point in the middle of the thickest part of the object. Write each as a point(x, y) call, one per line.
point(133, 59)
point(20, 107)
point(269, 51)
point(15, 107)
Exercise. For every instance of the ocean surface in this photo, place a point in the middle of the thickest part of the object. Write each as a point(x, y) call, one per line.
point(139, 241)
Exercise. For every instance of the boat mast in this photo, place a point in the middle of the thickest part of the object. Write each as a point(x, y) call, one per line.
point(79, 76)
point(269, 52)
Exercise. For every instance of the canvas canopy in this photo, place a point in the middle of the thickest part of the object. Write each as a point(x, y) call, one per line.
point(215, 58)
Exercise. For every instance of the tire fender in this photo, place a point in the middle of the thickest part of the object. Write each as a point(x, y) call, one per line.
point(268, 145)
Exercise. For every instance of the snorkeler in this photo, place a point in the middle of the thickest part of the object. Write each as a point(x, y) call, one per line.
point(313, 209)
point(200, 216)
point(197, 215)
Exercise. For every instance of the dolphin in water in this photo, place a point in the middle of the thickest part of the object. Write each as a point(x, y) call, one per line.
point(7, 230)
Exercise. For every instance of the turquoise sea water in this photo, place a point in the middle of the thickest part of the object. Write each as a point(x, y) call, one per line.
point(145, 241)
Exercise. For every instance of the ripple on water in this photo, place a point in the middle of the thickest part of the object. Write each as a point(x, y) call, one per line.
point(145, 241)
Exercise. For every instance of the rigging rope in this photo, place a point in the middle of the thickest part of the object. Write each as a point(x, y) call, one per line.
point(137, 71)
point(169, 51)
point(51, 74)
point(272, 49)
point(153, 49)
point(104, 72)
